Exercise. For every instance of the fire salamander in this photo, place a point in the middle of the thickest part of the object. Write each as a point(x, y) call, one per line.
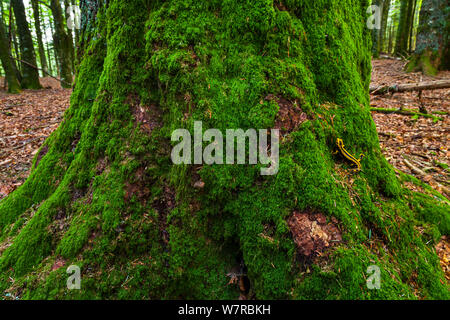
point(346, 154)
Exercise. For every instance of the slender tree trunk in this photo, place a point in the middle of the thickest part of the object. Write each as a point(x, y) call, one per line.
point(77, 31)
point(67, 16)
point(376, 33)
point(2, 17)
point(37, 24)
point(383, 31)
point(50, 68)
point(14, 43)
point(53, 49)
point(30, 75)
point(404, 27)
point(411, 26)
point(62, 43)
point(10, 41)
point(7, 62)
point(104, 194)
point(47, 41)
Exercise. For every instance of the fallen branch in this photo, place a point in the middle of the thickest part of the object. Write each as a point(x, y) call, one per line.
point(29, 64)
point(24, 143)
point(422, 174)
point(405, 112)
point(432, 85)
point(414, 168)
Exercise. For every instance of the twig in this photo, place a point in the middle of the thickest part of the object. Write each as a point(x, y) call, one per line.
point(29, 64)
point(28, 142)
point(406, 112)
point(433, 85)
point(45, 4)
point(413, 168)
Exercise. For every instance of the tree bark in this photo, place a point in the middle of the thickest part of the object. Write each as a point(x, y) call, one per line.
point(376, 32)
point(30, 76)
point(432, 48)
point(37, 25)
point(67, 4)
point(63, 44)
point(13, 42)
point(47, 47)
point(404, 27)
point(104, 194)
point(7, 63)
point(77, 32)
point(384, 20)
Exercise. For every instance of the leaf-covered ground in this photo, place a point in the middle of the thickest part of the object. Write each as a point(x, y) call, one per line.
point(421, 146)
point(417, 146)
point(26, 120)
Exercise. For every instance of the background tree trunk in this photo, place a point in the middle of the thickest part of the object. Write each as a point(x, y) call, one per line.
point(104, 195)
point(13, 43)
point(67, 5)
point(30, 75)
point(404, 28)
point(432, 47)
point(37, 24)
point(62, 43)
point(376, 33)
point(7, 62)
point(383, 31)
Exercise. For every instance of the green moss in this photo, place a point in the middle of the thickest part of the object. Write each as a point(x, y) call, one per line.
point(111, 201)
point(426, 62)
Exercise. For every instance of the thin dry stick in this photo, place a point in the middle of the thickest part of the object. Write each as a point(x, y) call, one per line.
point(29, 64)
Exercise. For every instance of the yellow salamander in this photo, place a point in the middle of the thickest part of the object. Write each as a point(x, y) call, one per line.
point(346, 154)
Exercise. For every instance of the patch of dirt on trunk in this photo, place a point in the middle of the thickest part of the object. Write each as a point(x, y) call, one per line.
point(290, 115)
point(312, 234)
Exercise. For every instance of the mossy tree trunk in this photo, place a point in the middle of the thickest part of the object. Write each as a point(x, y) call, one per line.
point(30, 74)
point(7, 62)
point(104, 195)
point(63, 44)
point(432, 47)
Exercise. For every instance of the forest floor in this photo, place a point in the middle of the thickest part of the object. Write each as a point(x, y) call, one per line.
point(415, 145)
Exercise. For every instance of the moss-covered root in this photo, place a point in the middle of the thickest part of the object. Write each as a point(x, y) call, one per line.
point(426, 62)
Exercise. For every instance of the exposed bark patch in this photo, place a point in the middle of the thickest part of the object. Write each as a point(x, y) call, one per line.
point(59, 263)
point(41, 154)
point(147, 116)
point(78, 194)
point(196, 179)
point(312, 234)
point(279, 5)
point(138, 187)
point(61, 214)
point(163, 205)
point(290, 115)
point(60, 225)
point(101, 166)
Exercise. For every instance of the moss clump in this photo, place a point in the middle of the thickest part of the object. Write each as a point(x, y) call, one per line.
point(426, 62)
point(108, 199)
